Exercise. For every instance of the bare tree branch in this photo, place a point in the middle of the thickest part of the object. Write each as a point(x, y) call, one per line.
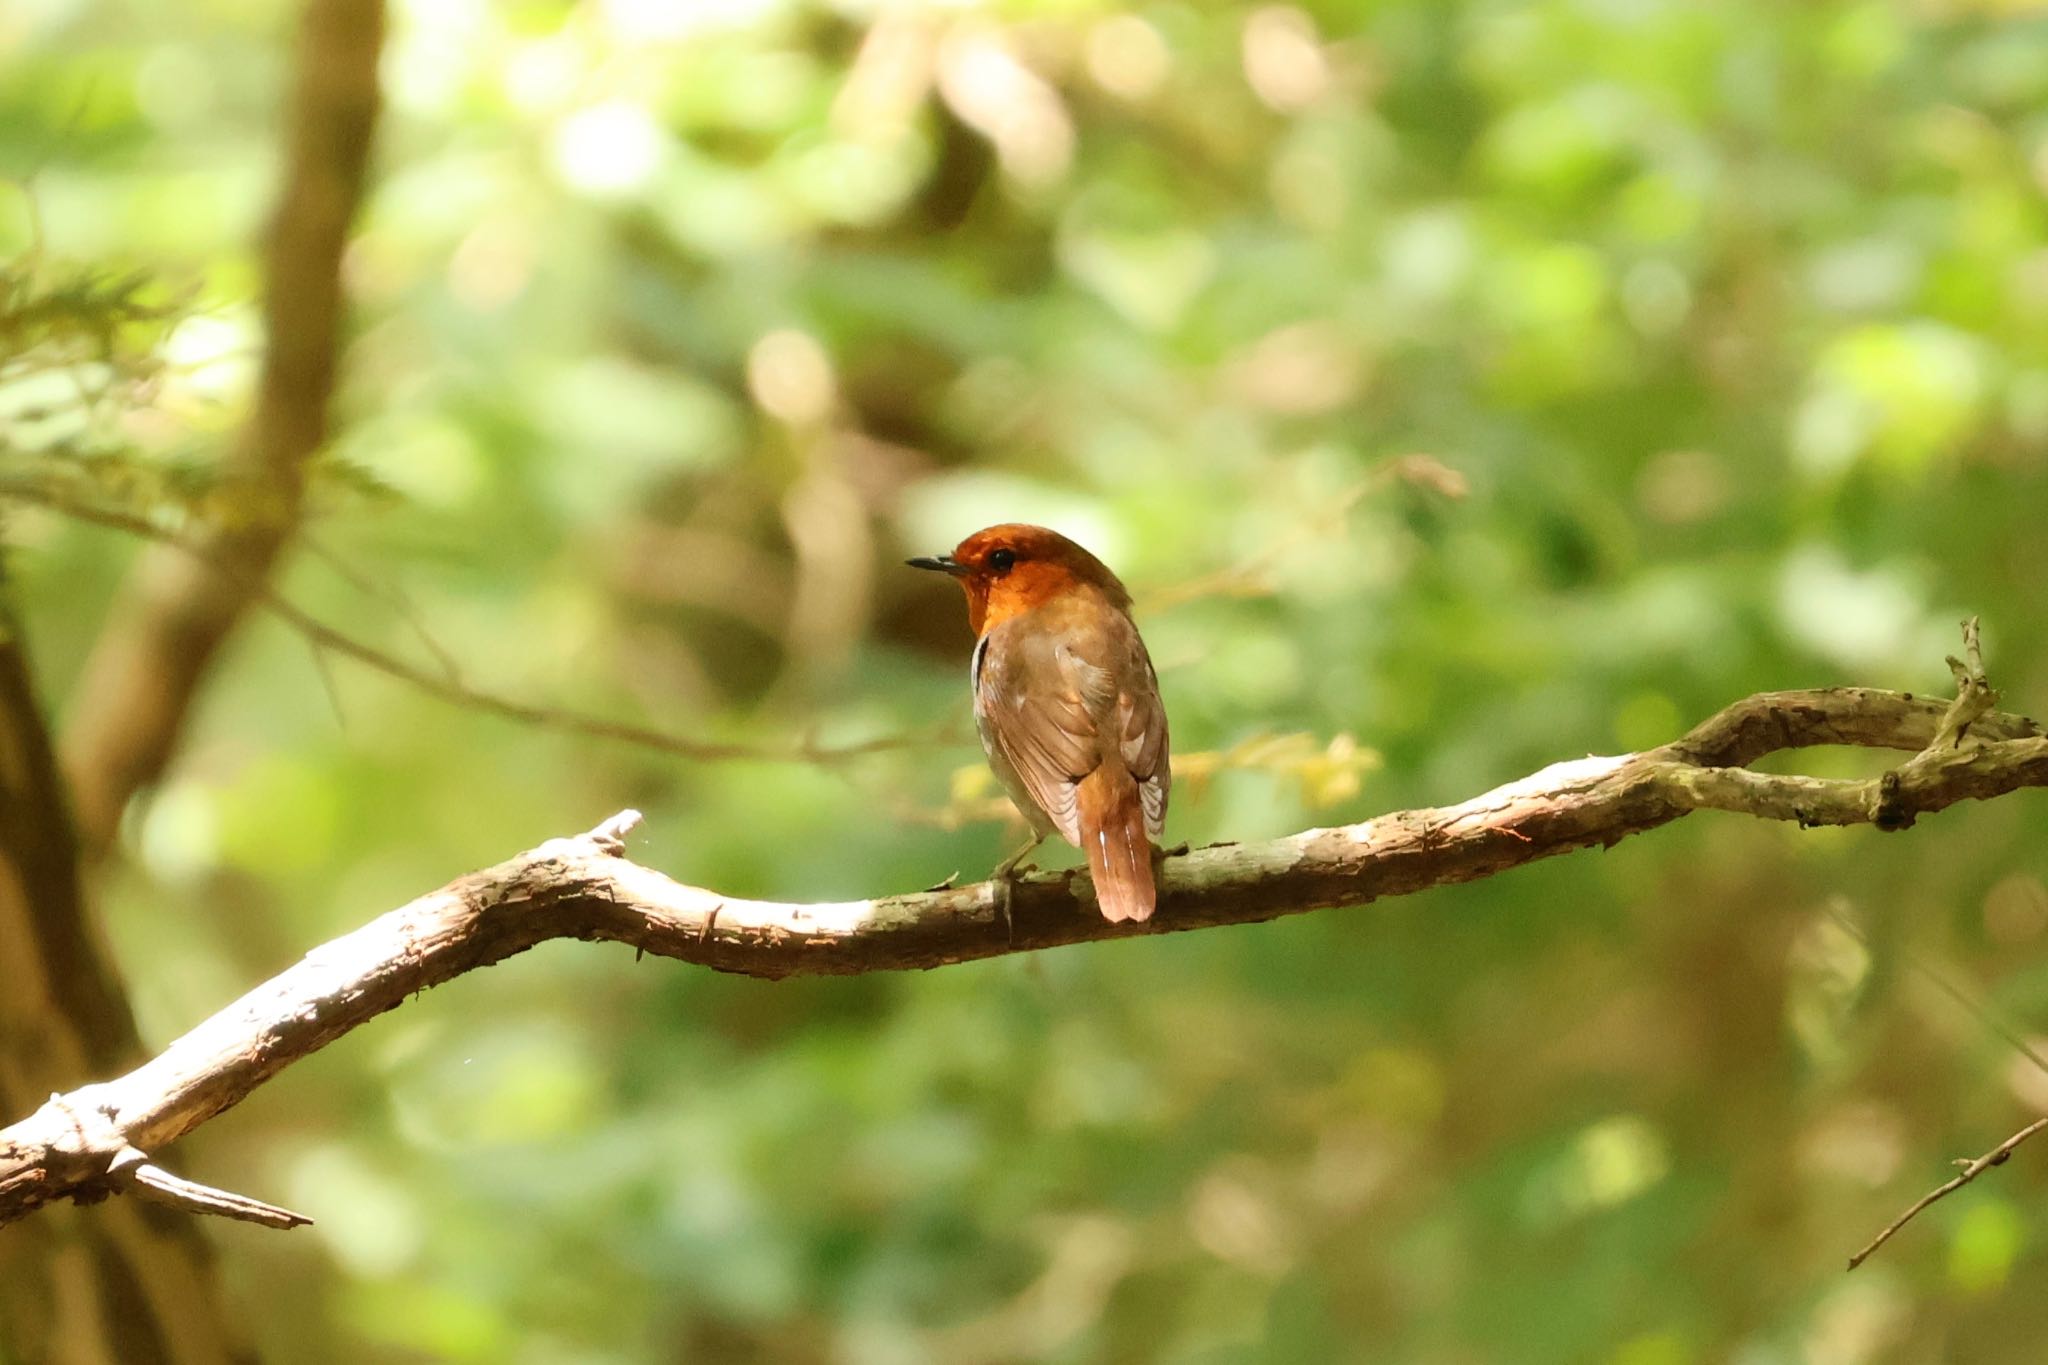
point(154, 653)
point(583, 888)
point(1971, 1169)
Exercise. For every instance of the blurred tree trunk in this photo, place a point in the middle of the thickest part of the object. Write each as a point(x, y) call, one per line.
point(129, 1282)
point(176, 612)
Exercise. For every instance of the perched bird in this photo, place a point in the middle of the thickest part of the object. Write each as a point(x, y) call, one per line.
point(1067, 703)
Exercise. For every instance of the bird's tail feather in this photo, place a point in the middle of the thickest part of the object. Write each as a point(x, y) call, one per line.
point(1113, 836)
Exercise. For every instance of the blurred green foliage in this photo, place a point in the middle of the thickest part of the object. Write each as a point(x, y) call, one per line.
point(677, 325)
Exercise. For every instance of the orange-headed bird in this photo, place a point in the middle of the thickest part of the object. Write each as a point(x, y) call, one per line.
point(1067, 703)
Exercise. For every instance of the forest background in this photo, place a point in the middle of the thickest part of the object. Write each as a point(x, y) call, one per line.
point(1460, 387)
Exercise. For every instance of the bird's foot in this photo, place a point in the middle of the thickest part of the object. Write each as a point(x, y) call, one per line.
point(1014, 866)
point(1008, 873)
point(1004, 879)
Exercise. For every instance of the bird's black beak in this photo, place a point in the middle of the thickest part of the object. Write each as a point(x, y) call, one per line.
point(942, 563)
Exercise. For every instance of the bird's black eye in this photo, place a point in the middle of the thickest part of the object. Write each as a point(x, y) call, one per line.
point(1002, 560)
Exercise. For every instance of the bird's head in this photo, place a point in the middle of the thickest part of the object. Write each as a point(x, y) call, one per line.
point(1009, 569)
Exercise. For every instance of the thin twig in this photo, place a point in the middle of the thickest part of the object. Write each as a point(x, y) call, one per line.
point(160, 1186)
point(1971, 1170)
point(388, 594)
point(1973, 701)
point(1253, 575)
point(450, 690)
point(1974, 693)
point(1976, 1009)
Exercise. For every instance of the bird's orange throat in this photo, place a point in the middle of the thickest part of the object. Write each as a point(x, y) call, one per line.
point(992, 601)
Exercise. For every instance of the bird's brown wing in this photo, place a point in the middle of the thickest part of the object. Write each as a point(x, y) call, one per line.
point(1035, 725)
point(1046, 699)
point(1142, 741)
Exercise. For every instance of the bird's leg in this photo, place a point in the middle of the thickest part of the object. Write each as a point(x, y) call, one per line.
point(1007, 869)
point(1005, 879)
